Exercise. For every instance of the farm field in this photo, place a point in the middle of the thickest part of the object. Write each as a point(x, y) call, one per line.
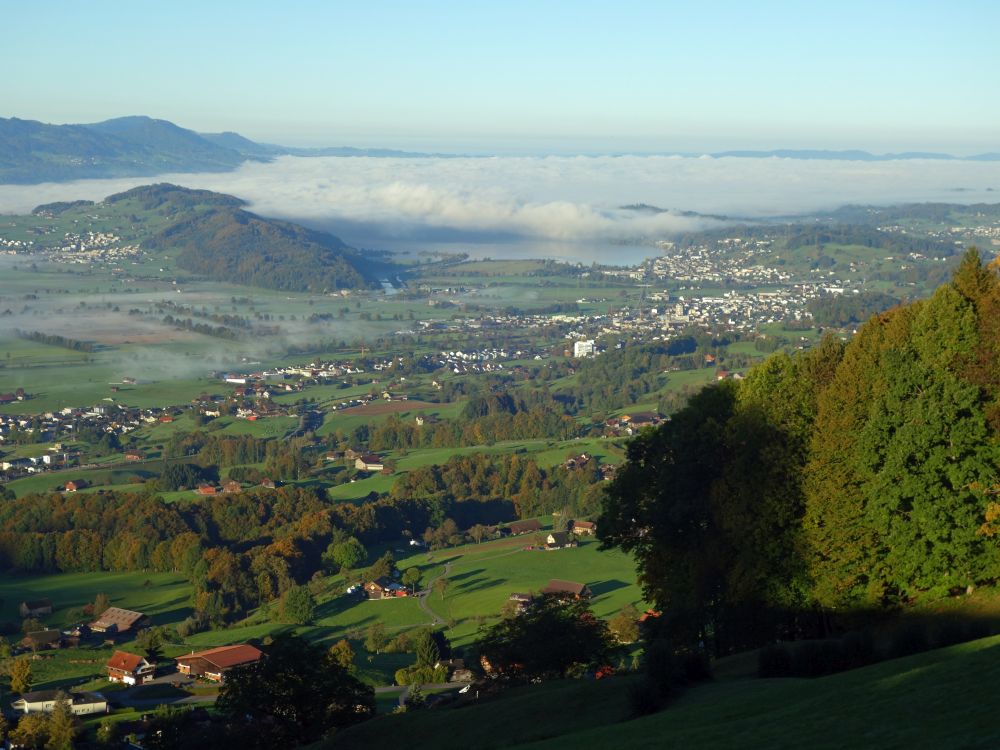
point(162, 595)
point(480, 579)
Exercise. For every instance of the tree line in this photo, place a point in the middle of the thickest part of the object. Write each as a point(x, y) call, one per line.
point(850, 478)
point(53, 339)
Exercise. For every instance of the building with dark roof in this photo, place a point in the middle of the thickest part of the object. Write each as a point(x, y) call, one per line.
point(569, 589)
point(215, 662)
point(115, 621)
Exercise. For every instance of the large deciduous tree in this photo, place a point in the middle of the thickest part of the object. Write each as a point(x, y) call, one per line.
point(296, 694)
point(548, 639)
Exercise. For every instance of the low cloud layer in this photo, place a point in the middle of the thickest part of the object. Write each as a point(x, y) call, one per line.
point(550, 198)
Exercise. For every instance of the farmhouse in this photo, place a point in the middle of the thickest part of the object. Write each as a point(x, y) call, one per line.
point(383, 588)
point(567, 589)
point(525, 527)
point(559, 540)
point(231, 486)
point(134, 455)
point(643, 418)
point(115, 621)
point(369, 462)
point(206, 489)
point(130, 669)
point(521, 601)
point(584, 527)
point(215, 662)
point(42, 639)
point(35, 608)
point(44, 702)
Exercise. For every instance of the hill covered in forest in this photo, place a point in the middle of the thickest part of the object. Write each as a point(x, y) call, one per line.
point(213, 235)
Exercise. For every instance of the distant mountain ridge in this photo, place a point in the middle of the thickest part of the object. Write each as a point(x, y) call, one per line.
point(137, 146)
point(850, 155)
point(32, 152)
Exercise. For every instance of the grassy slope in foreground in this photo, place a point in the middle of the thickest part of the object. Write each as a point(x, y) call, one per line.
point(938, 699)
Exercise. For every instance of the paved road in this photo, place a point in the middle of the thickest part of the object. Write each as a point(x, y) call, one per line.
point(422, 598)
point(405, 694)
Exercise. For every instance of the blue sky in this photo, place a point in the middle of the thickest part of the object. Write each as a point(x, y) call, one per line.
point(529, 77)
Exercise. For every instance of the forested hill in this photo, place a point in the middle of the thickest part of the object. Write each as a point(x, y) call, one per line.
point(32, 152)
point(213, 235)
point(854, 478)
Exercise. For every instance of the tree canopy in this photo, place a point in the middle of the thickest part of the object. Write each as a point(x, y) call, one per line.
point(845, 477)
point(545, 641)
point(295, 695)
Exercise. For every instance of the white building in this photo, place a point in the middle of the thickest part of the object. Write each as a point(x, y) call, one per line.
point(583, 348)
point(44, 701)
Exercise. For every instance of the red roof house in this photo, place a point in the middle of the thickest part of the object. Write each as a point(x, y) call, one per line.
point(130, 669)
point(215, 662)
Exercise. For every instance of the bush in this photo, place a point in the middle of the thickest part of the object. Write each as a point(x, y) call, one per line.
point(774, 660)
point(414, 675)
point(196, 623)
point(646, 697)
point(908, 639)
point(817, 658)
point(401, 644)
point(660, 666)
point(976, 629)
point(949, 633)
point(858, 649)
point(695, 667)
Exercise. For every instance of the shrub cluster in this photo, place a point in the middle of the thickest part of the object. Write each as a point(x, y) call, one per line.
point(665, 673)
point(858, 648)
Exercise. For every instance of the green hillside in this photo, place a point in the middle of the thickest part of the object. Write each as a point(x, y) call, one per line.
point(936, 699)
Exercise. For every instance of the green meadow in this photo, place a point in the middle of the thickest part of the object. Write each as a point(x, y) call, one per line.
point(931, 700)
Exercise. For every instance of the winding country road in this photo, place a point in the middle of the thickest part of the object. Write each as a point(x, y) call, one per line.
point(422, 598)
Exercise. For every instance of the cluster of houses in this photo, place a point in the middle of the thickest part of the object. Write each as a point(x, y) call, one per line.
point(230, 487)
point(555, 539)
point(132, 669)
point(315, 372)
point(557, 587)
point(477, 361)
point(361, 461)
point(85, 248)
point(110, 626)
point(54, 426)
point(631, 423)
point(385, 588)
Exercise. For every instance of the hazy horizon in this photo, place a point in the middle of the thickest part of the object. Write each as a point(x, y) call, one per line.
point(423, 203)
